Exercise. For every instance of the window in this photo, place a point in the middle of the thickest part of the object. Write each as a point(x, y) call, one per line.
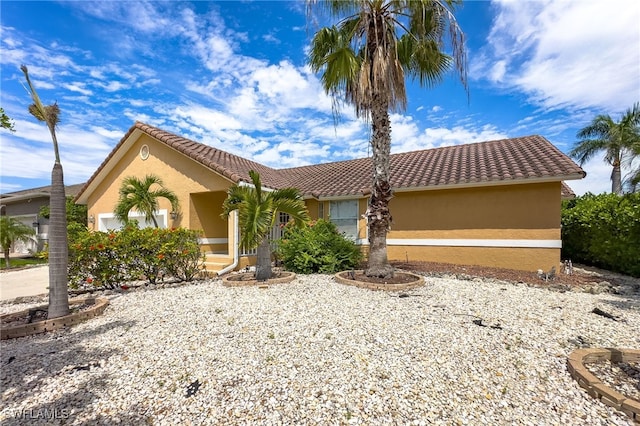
point(345, 216)
point(321, 210)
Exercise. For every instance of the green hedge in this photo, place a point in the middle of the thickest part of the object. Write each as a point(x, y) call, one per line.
point(604, 231)
point(109, 259)
point(317, 248)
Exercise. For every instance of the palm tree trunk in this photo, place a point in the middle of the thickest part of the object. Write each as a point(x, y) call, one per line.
point(58, 249)
point(616, 179)
point(378, 215)
point(263, 261)
point(7, 262)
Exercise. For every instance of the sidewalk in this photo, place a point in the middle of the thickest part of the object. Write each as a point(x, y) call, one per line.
point(25, 282)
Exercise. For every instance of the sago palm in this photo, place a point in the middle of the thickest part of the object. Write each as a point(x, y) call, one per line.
point(58, 250)
point(366, 58)
point(11, 231)
point(257, 212)
point(619, 140)
point(137, 194)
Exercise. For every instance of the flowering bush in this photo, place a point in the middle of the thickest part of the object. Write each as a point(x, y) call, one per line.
point(317, 248)
point(109, 259)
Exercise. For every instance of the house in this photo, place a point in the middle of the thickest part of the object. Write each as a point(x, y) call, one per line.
point(494, 203)
point(25, 206)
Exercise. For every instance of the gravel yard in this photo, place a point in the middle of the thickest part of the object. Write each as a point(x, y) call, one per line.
point(317, 352)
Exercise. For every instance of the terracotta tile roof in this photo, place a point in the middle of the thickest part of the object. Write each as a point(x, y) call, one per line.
point(513, 160)
point(234, 167)
point(506, 160)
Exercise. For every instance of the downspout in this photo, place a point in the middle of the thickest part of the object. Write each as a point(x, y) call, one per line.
point(236, 254)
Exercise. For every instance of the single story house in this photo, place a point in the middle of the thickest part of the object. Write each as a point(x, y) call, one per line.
point(25, 206)
point(494, 203)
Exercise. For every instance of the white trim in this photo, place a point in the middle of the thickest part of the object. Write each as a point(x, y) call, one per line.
point(521, 181)
point(213, 240)
point(236, 245)
point(460, 242)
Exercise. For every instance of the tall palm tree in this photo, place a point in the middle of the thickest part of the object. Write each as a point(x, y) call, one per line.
point(58, 250)
point(257, 213)
point(12, 230)
point(619, 140)
point(366, 57)
point(136, 194)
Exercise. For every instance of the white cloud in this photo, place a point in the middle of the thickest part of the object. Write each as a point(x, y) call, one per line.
point(114, 86)
point(81, 151)
point(77, 87)
point(407, 136)
point(597, 180)
point(582, 54)
point(271, 38)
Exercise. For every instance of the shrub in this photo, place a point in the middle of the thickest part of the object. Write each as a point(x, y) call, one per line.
point(95, 259)
point(184, 260)
point(317, 248)
point(603, 230)
point(107, 259)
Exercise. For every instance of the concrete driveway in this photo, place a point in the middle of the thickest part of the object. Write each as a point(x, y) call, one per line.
point(25, 282)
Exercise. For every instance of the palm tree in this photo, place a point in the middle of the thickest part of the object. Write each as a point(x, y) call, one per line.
point(366, 57)
point(136, 194)
point(257, 213)
point(619, 140)
point(633, 179)
point(58, 250)
point(12, 230)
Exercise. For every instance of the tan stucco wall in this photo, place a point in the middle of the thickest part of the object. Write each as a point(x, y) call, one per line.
point(509, 212)
point(312, 208)
point(180, 174)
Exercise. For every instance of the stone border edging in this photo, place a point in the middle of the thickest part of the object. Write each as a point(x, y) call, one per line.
point(227, 282)
point(419, 282)
point(593, 385)
point(13, 332)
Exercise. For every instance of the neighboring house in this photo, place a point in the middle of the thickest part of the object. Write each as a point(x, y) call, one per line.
point(25, 206)
point(494, 203)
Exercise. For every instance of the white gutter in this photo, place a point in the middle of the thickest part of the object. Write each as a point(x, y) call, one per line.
point(236, 252)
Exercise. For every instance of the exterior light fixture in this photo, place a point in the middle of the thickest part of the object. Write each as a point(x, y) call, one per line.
point(174, 215)
point(92, 219)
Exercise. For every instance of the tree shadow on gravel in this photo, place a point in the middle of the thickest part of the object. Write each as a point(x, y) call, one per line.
point(68, 407)
point(29, 364)
point(625, 303)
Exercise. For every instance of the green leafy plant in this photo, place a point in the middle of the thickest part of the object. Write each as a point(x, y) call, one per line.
point(257, 211)
point(11, 231)
point(184, 260)
point(318, 248)
point(76, 213)
point(109, 259)
point(603, 230)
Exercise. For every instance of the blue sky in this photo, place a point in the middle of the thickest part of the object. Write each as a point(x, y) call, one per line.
point(234, 75)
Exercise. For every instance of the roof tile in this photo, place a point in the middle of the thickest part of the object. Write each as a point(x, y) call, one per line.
point(506, 160)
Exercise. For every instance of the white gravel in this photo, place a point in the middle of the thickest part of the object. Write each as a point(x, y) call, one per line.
point(317, 352)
